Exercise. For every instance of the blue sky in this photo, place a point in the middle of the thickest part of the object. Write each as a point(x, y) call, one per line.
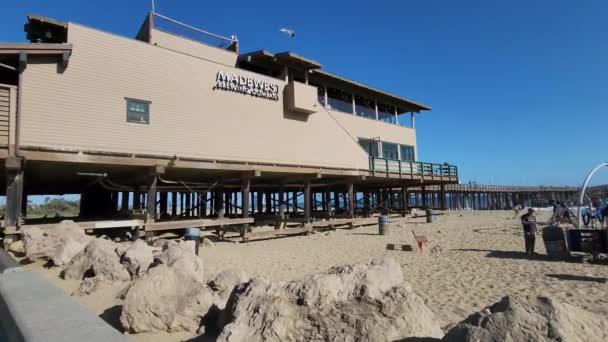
point(518, 88)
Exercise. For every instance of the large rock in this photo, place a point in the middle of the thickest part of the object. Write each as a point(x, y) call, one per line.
point(66, 250)
point(170, 296)
point(365, 302)
point(538, 319)
point(42, 243)
point(137, 258)
point(225, 281)
point(17, 248)
point(181, 257)
point(97, 260)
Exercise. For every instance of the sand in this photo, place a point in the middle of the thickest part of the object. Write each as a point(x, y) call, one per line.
point(472, 259)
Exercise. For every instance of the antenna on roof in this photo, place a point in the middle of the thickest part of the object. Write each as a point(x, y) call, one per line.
point(153, 6)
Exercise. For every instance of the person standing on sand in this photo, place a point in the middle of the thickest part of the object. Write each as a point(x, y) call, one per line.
point(529, 222)
point(516, 209)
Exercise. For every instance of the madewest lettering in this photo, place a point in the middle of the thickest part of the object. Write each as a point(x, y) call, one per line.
point(246, 85)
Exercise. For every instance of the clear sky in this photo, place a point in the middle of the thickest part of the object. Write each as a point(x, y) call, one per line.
point(519, 89)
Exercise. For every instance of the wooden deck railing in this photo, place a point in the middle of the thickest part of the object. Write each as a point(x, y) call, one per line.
point(411, 168)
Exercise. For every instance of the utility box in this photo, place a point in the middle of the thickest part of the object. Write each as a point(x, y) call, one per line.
point(301, 98)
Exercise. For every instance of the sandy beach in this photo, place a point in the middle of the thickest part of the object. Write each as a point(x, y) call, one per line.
point(472, 259)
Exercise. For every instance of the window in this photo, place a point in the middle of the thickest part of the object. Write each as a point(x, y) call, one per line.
point(370, 146)
point(407, 153)
point(389, 151)
point(138, 111)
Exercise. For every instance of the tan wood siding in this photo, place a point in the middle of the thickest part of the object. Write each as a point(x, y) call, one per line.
point(368, 128)
point(84, 108)
point(192, 47)
point(5, 110)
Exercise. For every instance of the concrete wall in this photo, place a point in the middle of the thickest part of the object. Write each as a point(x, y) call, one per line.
point(84, 108)
point(191, 47)
point(32, 309)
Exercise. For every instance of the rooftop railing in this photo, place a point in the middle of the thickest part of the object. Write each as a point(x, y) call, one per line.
point(412, 168)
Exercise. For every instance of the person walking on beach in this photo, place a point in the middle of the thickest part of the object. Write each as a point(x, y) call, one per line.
point(529, 222)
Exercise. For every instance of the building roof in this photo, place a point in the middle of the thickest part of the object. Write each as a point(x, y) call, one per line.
point(270, 61)
point(345, 83)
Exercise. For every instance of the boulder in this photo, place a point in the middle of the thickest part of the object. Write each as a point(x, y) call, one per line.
point(541, 319)
point(97, 260)
point(170, 296)
point(17, 248)
point(42, 243)
point(364, 302)
point(225, 281)
point(137, 257)
point(181, 257)
point(208, 243)
point(66, 250)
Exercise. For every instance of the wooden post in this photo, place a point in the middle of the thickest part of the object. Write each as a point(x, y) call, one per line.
point(151, 204)
point(124, 205)
point(351, 199)
point(245, 199)
point(424, 204)
point(14, 194)
point(268, 202)
point(151, 200)
point(405, 198)
point(218, 203)
point(307, 201)
point(163, 203)
point(328, 207)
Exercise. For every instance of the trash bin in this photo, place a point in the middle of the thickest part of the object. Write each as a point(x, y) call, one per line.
point(193, 234)
point(383, 225)
point(555, 242)
point(430, 216)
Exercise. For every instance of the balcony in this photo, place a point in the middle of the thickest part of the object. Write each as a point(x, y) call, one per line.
point(413, 170)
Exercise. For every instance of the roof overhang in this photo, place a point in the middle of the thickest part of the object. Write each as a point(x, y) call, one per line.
point(35, 48)
point(273, 61)
point(19, 52)
point(403, 105)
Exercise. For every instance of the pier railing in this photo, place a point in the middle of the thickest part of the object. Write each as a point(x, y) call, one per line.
point(411, 168)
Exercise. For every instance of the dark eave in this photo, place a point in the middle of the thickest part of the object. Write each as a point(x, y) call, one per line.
point(404, 105)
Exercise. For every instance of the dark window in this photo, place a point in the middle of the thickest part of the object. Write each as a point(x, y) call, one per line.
point(370, 146)
point(138, 111)
point(389, 151)
point(407, 153)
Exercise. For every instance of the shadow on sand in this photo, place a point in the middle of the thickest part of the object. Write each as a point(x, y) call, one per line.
point(522, 255)
point(577, 278)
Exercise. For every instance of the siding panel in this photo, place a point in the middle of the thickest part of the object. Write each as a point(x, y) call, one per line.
point(5, 111)
point(84, 108)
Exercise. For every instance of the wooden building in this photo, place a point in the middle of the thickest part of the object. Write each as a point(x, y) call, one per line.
point(186, 131)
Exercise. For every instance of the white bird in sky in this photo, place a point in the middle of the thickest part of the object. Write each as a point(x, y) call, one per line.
point(290, 32)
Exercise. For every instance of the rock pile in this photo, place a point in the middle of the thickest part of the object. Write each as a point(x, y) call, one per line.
point(365, 302)
point(96, 264)
point(539, 319)
point(58, 244)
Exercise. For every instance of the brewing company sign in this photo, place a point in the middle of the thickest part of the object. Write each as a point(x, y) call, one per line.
point(246, 85)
